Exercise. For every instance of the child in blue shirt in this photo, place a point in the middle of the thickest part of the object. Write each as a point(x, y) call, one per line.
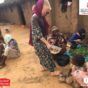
point(77, 37)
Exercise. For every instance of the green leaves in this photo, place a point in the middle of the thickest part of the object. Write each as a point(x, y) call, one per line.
point(79, 51)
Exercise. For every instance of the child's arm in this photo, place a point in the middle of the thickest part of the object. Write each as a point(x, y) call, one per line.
point(86, 65)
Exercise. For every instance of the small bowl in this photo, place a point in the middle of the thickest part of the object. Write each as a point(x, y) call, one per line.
point(55, 49)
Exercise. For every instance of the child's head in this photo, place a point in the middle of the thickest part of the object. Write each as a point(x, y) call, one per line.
point(54, 31)
point(63, 60)
point(82, 32)
point(7, 31)
point(78, 60)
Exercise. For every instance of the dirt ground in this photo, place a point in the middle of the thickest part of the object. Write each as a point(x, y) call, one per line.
point(25, 72)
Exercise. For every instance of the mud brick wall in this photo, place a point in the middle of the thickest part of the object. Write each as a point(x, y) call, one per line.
point(66, 22)
point(83, 22)
point(10, 14)
point(26, 7)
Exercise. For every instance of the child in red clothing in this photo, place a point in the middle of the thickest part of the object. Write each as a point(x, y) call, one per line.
point(79, 71)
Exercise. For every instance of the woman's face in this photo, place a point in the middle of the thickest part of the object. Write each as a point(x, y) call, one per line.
point(46, 8)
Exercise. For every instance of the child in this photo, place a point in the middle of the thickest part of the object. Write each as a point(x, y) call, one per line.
point(77, 37)
point(63, 62)
point(7, 36)
point(79, 71)
point(56, 38)
point(12, 50)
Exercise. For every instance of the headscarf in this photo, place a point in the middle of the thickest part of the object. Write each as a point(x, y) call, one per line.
point(37, 9)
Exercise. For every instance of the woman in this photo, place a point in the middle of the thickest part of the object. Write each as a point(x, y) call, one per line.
point(39, 31)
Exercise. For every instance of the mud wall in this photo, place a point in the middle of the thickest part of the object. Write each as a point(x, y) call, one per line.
point(65, 21)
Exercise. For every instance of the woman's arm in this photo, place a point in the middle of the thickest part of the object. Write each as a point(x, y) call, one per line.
point(46, 42)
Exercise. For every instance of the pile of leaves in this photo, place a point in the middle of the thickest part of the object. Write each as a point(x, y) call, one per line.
point(79, 51)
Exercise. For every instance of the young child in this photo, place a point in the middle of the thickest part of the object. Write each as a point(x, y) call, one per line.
point(79, 71)
point(77, 37)
point(7, 36)
point(12, 49)
point(56, 38)
point(63, 62)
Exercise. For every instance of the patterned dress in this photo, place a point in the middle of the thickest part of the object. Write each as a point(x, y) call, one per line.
point(42, 51)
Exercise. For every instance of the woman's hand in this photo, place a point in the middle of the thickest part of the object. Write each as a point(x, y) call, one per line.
point(46, 42)
point(48, 45)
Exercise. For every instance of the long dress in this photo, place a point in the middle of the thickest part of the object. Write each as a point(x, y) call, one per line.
point(42, 51)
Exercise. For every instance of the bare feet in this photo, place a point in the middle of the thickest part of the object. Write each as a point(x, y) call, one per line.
point(43, 69)
point(55, 73)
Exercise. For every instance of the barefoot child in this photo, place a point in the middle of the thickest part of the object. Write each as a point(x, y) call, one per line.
point(63, 62)
point(79, 71)
point(11, 48)
point(77, 37)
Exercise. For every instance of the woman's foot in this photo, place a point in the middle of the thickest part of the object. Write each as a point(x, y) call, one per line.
point(43, 69)
point(55, 73)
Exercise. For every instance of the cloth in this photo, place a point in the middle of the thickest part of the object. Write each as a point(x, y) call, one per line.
point(74, 37)
point(80, 77)
point(57, 40)
point(12, 50)
point(79, 74)
point(11, 53)
point(13, 44)
point(7, 38)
